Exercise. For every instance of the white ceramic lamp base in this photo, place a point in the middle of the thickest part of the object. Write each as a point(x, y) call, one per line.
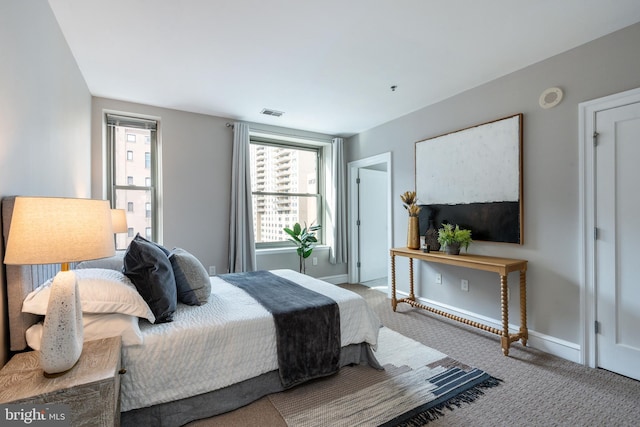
point(62, 332)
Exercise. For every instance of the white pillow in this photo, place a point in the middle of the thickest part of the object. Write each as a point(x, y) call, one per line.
point(115, 262)
point(97, 326)
point(101, 291)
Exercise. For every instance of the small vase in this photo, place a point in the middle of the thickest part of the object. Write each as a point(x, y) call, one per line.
point(413, 233)
point(453, 249)
point(431, 237)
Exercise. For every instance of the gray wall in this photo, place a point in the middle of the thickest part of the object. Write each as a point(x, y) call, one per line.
point(196, 181)
point(551, 180)
point(45, 111)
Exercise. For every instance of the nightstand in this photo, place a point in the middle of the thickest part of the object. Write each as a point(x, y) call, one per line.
point(91, 388)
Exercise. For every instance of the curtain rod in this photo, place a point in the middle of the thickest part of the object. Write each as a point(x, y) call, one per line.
point(310, 138)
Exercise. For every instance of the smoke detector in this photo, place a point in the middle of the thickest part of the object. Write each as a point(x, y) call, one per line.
point(550, 97)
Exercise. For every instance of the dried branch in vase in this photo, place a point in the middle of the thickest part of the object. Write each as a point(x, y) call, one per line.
point(414, 210)
point(408, 198)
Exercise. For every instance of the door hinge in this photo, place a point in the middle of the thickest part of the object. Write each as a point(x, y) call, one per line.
point(595, 138)
point(358, 264)
point(596, 326)
point(358, 223)
point(595, 233)
point(357, 180)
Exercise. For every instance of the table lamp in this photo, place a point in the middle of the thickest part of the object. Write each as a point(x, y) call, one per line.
point(119, 220)
point(119, 223)
point(49, 230)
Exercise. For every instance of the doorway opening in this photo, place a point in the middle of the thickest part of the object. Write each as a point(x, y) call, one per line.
point(370, 219)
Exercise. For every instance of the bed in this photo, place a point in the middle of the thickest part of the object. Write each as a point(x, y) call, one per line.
point(211, 358)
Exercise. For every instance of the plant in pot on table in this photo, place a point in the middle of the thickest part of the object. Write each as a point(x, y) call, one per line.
point(453, 238)
point(304, 238)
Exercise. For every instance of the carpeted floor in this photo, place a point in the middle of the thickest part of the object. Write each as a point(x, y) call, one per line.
point(538, 389)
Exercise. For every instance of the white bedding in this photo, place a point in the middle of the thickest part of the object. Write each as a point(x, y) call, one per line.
point(228, 340)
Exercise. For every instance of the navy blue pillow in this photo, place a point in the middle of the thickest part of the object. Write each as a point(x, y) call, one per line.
point(149, 268)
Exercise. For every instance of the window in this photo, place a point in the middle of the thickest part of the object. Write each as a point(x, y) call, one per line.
point(131, 164)
point(284, 178)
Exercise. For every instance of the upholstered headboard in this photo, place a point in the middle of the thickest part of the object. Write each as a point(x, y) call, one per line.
point(20, 280)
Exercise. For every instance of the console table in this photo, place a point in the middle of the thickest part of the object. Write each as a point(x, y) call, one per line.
point(502, 266)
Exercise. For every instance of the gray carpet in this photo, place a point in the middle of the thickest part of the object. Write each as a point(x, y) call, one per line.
point(538, 389)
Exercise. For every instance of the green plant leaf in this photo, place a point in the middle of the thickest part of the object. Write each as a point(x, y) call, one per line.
point(303, 237)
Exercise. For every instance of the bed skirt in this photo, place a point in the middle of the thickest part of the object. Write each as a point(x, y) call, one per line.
point(183, 411)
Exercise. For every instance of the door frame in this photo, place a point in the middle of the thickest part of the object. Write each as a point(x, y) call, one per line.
point(384, 158)
point(588, 302)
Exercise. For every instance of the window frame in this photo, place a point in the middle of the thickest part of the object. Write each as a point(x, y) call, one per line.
point(320, 151)
point(113, 119)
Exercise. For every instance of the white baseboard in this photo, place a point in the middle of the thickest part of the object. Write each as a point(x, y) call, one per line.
point(552, 345)
point(337, 279)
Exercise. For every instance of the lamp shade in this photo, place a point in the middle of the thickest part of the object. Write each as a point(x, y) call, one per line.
point(49, 230)
point(119, 220)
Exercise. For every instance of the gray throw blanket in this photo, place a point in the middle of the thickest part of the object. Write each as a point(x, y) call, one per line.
point(307, 325)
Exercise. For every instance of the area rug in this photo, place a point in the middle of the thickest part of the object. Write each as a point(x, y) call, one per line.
point(417, 384)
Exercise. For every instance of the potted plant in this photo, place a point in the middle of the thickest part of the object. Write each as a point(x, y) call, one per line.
point(452, 239)
point(304, 239)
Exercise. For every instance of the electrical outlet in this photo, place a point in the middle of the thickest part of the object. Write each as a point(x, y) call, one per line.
point(464, 285)
point(314, 260)
point(212, 270)
point(439, 279)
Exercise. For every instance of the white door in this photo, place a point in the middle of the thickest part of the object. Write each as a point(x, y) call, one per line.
point(617, 246)
point(372, 231)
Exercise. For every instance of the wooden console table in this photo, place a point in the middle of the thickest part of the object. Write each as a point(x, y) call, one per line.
point(502, 266)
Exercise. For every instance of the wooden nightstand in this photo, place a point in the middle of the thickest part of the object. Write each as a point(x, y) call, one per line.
point(91, 388)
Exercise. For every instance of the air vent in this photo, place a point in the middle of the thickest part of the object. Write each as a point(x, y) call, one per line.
point(269, 112)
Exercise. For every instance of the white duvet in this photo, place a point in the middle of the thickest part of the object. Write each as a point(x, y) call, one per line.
point(228, 340)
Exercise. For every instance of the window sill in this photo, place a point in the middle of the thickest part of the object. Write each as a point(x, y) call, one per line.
point(292, 249)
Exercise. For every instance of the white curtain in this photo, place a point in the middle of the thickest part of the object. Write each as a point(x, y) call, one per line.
point(242, 251)
point(337, 210)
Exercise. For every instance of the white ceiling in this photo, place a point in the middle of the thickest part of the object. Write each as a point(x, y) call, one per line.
point(328, 65)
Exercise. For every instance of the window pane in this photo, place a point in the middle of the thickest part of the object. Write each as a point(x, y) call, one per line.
point(283, 169)
point(273, 213)
point(139, 219)
point(130, 159)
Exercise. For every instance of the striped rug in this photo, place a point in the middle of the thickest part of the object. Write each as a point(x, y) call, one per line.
point(418, 383)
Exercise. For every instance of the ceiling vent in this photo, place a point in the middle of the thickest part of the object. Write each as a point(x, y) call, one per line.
point(269, 112)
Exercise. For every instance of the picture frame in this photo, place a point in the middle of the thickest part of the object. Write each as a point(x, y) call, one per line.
point(473, 177)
